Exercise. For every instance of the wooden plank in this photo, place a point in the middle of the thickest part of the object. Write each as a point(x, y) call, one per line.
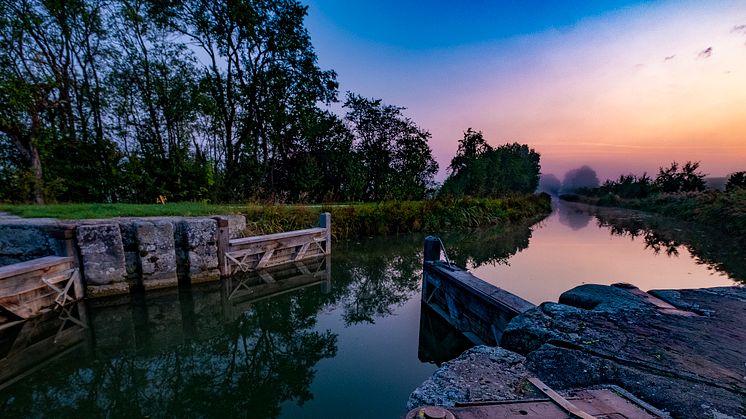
point(260, 247)
point(35, 297)
point(265, 259)
point(276, 236)
point(15, 284)
point(27, 282)
point(302, 251)
point(487, 291)
point(559, 400)
point(223, 246)
point(21, 268)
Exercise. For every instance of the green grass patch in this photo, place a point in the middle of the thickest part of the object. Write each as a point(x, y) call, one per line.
point(348, 220)
point(87, 211)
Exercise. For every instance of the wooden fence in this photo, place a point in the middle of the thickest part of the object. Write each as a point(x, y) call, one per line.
point(259, 252)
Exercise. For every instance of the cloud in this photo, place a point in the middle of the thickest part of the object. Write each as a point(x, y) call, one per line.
point(739, 29)
point(669, 58)
point(705, 53)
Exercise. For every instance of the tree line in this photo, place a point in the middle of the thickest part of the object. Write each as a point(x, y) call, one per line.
point(223, 101)
point(674, 178)
point(126, 100)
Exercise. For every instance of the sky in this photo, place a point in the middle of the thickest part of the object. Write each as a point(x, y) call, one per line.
point(624, 86)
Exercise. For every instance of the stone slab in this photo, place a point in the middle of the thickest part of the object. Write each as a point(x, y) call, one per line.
point(196, 241)
point(482, 373)
point(100, 291)
point(157, 254)
point(691, 366)
point(102, 254)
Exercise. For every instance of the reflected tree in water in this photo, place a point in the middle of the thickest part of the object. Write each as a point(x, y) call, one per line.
point(258, 361)
point(378, 279)
point(383, 273)
point(490, 246)
point(715, 249)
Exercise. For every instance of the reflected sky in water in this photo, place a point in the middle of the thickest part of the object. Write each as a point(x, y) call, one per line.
point(569, 248)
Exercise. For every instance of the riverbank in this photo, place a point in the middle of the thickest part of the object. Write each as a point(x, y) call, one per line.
point(350, 220)
point(723, 210)
point(678, 350)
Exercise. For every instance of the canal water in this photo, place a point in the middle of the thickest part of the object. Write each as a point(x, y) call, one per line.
point(337, 338)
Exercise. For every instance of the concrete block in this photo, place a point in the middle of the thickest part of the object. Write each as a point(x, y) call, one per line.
point(157, 254)
point(236, 225)
point(197, 240)
point(102, 254)
point(128, 230)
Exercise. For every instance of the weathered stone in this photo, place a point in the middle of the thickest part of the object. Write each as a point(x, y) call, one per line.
point(128, 230)
point(22, 241)
point(197, 240)
point(479, 374)
point(692, 366)
point(99, 291)
point(155, 244)
point(236, 225)
point(102, 254)
point(603, 298)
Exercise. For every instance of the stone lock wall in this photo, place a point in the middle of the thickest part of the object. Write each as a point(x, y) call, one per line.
point(121, 254)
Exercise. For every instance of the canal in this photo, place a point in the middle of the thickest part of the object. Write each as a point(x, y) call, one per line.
point(346, 338)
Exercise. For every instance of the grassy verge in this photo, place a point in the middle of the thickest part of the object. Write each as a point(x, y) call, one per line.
point(723, 210)
point(348, 221)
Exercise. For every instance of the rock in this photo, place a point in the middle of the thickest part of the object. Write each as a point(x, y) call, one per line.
point(603, 298)
point(196, 239)
point(128, 230)
point(236, 225)
point(22, 241)
point(102, 254)
point(157, 254)
point(479, 374)
point(100, 291)
point(676, 362)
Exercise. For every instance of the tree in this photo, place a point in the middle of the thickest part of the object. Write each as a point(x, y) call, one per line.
point(262, 77)
point(686, 178)
point(582, 177)
point(52, 98)
point(480, 170)
point(395, 158)
point(736, 181)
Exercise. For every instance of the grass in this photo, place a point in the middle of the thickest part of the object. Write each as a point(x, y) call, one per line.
point(87, 211)
point(348, 220)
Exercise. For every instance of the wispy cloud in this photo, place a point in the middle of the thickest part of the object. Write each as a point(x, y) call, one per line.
point(705, 53)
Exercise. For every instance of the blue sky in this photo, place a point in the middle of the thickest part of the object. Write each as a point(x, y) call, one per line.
point(621, 85)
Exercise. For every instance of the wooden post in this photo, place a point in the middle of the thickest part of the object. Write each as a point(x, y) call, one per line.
point(325, 221)
point(223, 245)
point(432, 249)
point(65, 236)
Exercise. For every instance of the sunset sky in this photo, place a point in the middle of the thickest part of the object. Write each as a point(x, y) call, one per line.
point(624, 86)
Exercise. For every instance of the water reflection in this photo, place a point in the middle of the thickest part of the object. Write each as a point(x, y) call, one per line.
point(439, 341)
point(710, 247)
point(246, 346)
point(204, 353)
point(573, 217)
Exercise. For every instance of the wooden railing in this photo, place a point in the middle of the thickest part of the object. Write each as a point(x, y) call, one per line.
point(259, 252)
point(26, 288)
